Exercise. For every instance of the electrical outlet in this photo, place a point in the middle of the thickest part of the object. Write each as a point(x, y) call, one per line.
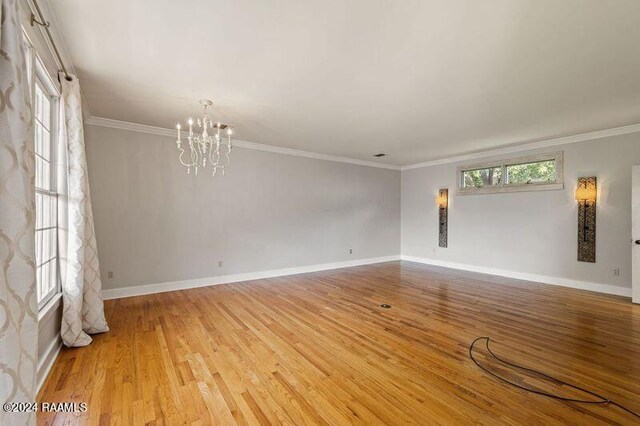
point(350, 251)
point(616, 272)
point(110, 275)
point(219, 263)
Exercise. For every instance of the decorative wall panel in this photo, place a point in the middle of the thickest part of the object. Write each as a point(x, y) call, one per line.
point(443, 217)
point(587, 223)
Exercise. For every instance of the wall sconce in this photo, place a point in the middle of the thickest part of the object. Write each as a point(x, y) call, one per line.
point(586, 196)
point(442, 200)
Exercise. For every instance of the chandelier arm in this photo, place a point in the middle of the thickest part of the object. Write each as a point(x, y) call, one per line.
point(199, 153)
point(216, 156)
point(227, 152)
point(194, 157)
point(212, 155)
point(217, 153)
point(181, 160)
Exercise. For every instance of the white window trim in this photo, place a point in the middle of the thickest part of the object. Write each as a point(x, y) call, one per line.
point(504, 187)
point(38, 72)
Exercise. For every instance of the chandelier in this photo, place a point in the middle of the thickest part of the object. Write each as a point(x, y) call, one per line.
point(208, 147)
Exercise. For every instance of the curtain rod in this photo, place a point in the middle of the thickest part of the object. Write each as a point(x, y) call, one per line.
point(46, 24)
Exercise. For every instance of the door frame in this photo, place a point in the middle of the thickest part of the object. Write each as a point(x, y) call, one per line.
point(635, 234)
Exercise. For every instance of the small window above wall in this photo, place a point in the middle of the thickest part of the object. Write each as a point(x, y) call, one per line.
point(531, 173)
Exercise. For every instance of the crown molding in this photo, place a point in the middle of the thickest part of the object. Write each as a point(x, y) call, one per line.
point(582, 137)
point(152, 130)
point(310, 154)
point(134, 127)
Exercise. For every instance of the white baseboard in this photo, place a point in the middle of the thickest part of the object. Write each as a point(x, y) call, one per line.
point(45, 364)
point(545, 279)
point(141, 290)
point(117, 293)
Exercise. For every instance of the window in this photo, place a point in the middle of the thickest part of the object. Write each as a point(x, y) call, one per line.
point(45, 110)
point(535, 172)
point(532, 173)
point(482, 177)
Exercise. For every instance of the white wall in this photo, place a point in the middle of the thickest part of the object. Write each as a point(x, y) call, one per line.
point(156, 224)
point(529, 232)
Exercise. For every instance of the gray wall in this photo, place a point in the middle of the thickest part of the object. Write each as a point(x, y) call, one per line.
point(531, 232)
point(155, 224)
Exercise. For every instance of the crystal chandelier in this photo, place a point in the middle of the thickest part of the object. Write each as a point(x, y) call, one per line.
point(205, 148)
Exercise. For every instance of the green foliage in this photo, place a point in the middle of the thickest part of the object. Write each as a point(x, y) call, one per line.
point(518, 174)
point(482, 177)
point(543, 171)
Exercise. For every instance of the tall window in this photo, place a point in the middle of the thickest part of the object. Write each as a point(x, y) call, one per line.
point(45, 108)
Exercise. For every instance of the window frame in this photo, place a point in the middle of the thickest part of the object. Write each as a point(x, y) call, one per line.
point(38, 75)
point(505, 186)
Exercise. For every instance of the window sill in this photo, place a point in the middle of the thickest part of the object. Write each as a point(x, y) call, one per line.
point(50, 308)
point(512, 188)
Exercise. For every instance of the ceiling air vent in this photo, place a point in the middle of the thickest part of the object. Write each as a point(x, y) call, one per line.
point(379, 155)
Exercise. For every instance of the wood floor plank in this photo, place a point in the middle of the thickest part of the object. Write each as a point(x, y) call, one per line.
point(318, 349)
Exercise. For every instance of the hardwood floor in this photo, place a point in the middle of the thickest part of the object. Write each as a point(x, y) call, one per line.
point(317, 349)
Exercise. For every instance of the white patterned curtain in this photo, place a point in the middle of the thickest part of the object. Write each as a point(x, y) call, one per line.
point(83, 309)
point(18, 304)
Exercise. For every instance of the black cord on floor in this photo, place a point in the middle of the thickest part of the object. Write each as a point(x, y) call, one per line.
point(601, 399)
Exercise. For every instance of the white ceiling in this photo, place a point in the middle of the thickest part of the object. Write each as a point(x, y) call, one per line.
point(418, 80)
